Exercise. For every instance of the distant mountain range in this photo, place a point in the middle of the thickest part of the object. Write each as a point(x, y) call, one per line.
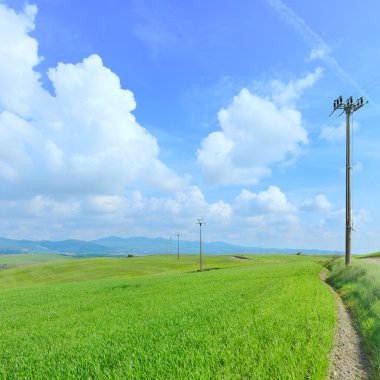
point(116, 246)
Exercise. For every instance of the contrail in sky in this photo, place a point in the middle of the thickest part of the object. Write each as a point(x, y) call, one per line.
point(319, 47)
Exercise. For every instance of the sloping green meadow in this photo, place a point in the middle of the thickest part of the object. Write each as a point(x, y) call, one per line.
point(14, 261)
point(157, 318)
point(374, 254)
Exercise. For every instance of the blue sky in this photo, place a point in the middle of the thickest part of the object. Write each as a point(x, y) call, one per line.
point(137, 117)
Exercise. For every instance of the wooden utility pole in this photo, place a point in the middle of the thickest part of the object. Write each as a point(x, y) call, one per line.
point(349, 107)
point(178, 244)
point(200, 244)
point(348, 187)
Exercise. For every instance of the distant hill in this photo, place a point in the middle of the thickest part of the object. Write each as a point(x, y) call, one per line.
point(117, 246)
point(77, 247)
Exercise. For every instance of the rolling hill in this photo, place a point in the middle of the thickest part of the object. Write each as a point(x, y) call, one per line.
point(117, 246)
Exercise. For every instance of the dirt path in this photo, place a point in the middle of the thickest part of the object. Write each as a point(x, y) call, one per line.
point(347, 359)
point(375, 260)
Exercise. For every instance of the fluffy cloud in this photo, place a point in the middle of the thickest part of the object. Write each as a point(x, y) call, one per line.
point(272, 200)
point(187, 205)
point(333, 134)
point(318, 203)
point(220, 212)
point(43, 217)
point(19, 85)
point(256, 132)
point(104, 204)
point(321, 52)
point(42, 206)
point(70, 159)
point(82, 139)
point(289, 93)
point(266, 216)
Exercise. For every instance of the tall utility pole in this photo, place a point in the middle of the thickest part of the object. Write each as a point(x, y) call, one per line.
point(200, 222)
point(178, 244)
point(349, 107)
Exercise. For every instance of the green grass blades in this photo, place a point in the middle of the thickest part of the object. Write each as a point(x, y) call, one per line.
point(359, 285)
point(266, 319)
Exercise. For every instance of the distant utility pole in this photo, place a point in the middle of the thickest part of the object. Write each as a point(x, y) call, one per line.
point(200, 222)
point(178, 244)
point(170, 246)
point(348, 107)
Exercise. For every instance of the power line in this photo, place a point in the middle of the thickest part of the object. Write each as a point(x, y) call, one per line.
point(348, 107)
point(373, 83)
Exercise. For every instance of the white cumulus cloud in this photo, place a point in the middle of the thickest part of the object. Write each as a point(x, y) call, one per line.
point(267, 215)
point(272, 200)
point(332, 134)
point(83, 138)
point(255, 133)
point(220, 212)
point(318, 203)
point(287, 94)
point(19, 86)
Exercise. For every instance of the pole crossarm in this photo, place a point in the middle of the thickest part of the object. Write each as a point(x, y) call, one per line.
point(348, 107)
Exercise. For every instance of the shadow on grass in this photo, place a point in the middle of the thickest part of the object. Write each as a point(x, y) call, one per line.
point(204, 270)
point(126, 286)
point(243, 258)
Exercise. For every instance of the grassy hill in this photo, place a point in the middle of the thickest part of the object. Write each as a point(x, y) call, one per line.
point(157, 317)
point(22, 260)
point(374, 254)
point(114, 246)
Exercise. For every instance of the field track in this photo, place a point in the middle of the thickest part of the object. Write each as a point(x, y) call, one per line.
point(348, 361)
point(375, 260)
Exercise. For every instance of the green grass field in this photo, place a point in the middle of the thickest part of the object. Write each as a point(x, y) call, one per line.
point(359, 286)
point(25, 260)
point(374, 254)
point(157, 318)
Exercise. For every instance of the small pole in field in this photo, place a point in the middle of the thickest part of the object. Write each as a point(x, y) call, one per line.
point(178, 244)
point(200, 222)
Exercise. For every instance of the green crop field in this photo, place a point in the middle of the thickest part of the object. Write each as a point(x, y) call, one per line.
point(158, 318)
point(25, 260)
point(371, 255)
